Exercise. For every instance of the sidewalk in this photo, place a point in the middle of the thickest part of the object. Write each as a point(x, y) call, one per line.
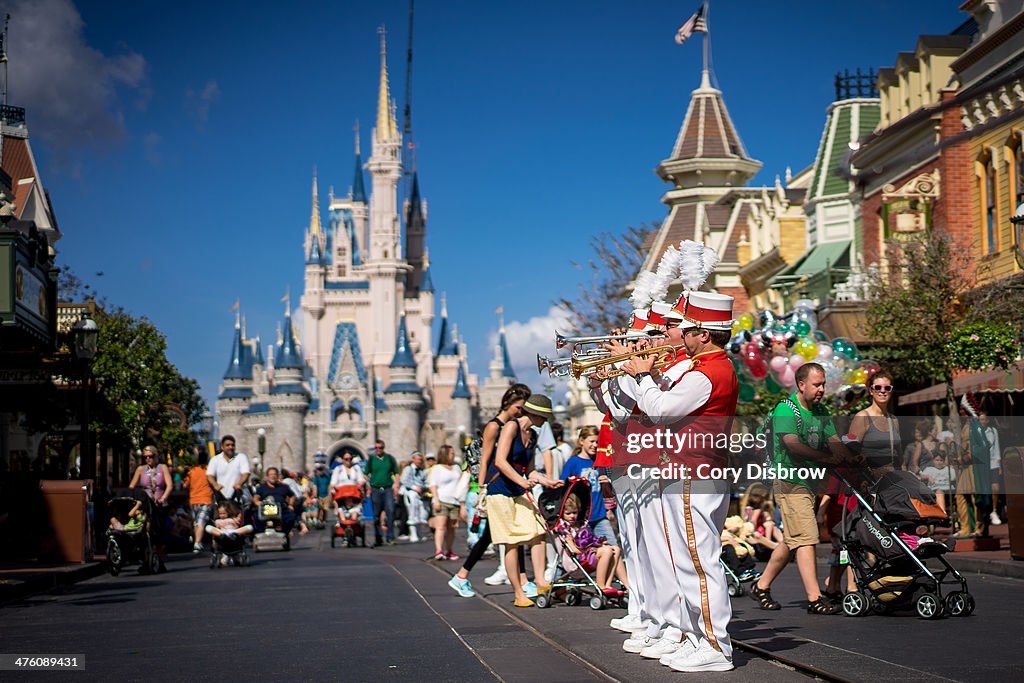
point(22, 579)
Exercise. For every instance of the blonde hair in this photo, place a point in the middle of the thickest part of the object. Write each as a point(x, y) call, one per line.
point(761, 491)
point(572, 503)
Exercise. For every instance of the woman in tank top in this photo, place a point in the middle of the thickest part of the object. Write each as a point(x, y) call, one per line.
point(876, 428)
point(924, 449)
point(154, 477)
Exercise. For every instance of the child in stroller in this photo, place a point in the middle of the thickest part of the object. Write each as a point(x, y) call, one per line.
point(565, 512)
point(229, 536)
point(738, 554)
point(889, 551)
point(131, 537)
point(349, 500)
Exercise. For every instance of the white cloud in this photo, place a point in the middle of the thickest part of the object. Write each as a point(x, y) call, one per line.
point(527, 339)
point(70, 90)
point(198, 103)
point(151, 148)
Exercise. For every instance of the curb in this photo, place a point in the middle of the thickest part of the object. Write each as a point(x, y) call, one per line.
point(40, 583)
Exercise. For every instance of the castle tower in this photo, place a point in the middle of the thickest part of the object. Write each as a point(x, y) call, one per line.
point(289, 401)
point(236, 393)
point(403, 397)
point(462, 409)
point(502, 376)
point(415, 237)
point(384, 268)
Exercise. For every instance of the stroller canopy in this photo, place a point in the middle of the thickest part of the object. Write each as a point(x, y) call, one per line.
point(552, 501)
point(902, 497)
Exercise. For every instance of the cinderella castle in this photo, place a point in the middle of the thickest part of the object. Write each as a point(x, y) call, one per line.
point(368, 367)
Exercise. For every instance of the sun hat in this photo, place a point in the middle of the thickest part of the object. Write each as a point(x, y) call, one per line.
point(538, 404)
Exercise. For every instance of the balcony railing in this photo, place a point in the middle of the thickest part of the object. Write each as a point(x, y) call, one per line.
point(12, 116)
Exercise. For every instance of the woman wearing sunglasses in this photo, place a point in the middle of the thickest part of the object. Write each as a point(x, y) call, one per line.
point(877, 429)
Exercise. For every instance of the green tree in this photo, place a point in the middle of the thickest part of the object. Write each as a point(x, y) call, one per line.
point(601, 302)
point(918, 310)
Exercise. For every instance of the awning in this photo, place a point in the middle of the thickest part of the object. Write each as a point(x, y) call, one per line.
point(1011, 379)
point(820, 258)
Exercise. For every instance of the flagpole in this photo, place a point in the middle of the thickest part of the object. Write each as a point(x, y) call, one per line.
point(705, 80)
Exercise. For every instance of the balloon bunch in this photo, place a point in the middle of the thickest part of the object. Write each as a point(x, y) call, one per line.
point(768, 350)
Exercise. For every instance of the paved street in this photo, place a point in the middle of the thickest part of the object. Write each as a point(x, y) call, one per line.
point(368, 615)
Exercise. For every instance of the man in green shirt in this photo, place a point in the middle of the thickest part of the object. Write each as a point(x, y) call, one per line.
point(803, 436)
point(382, 471)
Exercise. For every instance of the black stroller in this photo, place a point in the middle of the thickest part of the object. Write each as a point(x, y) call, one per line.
point(132, 540)
point(889, 572)
point(572, 582)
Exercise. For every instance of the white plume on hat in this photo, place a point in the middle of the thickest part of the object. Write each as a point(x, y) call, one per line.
point(666, 272)
point(643, 289)
point(696, 263)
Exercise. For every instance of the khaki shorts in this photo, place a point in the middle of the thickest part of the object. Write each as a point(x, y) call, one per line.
point(449, 511)
point(513, 520)
point(796, 505)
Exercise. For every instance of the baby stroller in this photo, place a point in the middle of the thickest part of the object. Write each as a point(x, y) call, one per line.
point(270, 513)
point(572, 581)
point(898, 573)
point(136, 542)
point(739, 570)
point(349, 525)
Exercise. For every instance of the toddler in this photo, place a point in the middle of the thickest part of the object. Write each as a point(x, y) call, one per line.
point(593, 553)
point(229, 522)
point(939, 478)
point(136, 519)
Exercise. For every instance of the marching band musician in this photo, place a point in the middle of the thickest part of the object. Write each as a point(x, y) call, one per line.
point(660, 594)
point(637, 618)
point(694, 508)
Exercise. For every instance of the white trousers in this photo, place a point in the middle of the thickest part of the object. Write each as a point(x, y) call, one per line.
point(695, 513)
point(662, 594)
point(629, 526)
point(415, 507)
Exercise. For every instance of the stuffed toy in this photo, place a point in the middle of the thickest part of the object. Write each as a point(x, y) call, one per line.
point(736, 533)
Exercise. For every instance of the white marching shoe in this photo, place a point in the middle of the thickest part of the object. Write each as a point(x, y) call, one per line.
point(659, 649)
point(638, 641)
point(703, 658)
point(628, 623)
point(686, 648)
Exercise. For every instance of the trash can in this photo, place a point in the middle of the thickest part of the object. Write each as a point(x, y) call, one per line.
point(68, 534)
point(1013, 489)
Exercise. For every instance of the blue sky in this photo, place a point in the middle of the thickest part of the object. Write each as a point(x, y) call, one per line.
point(177, 140)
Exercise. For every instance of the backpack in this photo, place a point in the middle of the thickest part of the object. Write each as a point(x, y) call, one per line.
point(766, 454)
point(471, 453)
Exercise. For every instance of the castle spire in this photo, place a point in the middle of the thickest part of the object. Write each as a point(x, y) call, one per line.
point(240, 366)
point(288, 355)
point(426, 282)
point(358, 186)
point(506, 361)
point(386, 126)
point(315, 226)
point(461, 386)
point(403, 349)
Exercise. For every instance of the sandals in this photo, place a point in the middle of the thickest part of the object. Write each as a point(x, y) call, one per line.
point(764, 599)
point(823, 606)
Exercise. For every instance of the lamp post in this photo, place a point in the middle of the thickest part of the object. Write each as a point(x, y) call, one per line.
point(261, 446)
point(1018, 234)
point(85, 339)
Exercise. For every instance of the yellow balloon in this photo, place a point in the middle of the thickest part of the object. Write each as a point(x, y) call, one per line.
point(746, 321)
point(735, 328)
point(808, 351)
point(860, 376)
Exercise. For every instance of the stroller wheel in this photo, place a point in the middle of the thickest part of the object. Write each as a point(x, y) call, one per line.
point(572, 598)
point(856, 604)
point(597, 602)
point(929, 606)
point(542, 601)
point(734, 588)
point(214, 561)
point(960, 604)
point(114, 557)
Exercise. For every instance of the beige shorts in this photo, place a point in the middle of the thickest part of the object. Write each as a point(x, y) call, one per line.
point(448, 511)
point(512, 520)
point(796, 505)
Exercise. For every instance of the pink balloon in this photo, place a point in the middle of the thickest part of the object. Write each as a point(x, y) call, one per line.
point(778, 362)
point(795, 361)
point(788, 378)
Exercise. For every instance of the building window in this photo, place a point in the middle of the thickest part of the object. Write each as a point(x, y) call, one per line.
point(1018, 173)
point(991, 226)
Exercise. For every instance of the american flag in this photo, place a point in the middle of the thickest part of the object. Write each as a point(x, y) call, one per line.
point(692, 25)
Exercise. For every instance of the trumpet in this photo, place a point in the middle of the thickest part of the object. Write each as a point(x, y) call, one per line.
point(588, 366)
point(556, 367)
point(561, 341)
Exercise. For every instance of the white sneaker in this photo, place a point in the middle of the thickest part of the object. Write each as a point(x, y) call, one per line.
point(498, 578)
point(686, 648)
point(549, 574)
point(627, 624)
point(704, 658)
point(993, 519)
point(637, 644)
point(659, 649)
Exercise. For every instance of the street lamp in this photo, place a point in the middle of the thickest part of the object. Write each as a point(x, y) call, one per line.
point(261, 445)
point(1018, 234)
point(85, 340)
